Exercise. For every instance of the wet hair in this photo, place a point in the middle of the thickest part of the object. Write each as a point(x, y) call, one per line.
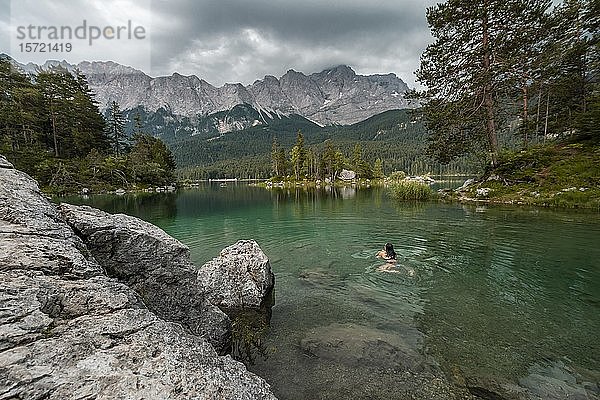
point(389, 251)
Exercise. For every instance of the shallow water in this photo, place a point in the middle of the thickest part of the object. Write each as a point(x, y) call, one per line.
point(506, 299)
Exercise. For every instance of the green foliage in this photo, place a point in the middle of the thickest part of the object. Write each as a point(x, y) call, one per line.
point(378, 169)
point(150, 161)
point(278, 160)
point(563, 175)
point(508, 67)
point(396, 137)
point(410, 191)
point(115, 128)
point(397, 176)
point(298, 156)
point(52, 129)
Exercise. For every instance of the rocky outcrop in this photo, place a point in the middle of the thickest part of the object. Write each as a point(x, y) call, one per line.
point(67, 330)
point(337, 95)
point(239, 278)
point(347, 175)
point(155, 265)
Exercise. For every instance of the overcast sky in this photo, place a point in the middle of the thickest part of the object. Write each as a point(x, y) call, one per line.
point(232, 40)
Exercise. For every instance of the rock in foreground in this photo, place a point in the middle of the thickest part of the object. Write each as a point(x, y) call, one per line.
point(67, 330)
point(240, 277)
point(155, 265)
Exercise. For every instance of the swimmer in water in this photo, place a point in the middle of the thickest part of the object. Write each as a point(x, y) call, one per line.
point(387, 253)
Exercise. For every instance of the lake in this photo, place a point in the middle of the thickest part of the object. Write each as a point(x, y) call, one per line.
point(483, 300)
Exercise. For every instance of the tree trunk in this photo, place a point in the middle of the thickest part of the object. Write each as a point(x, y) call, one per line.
point(54, 131)
point(525, 127)
point(487, 89)
point(546, 122)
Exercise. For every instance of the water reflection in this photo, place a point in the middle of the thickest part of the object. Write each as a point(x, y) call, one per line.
point(512, 281)
point(156, 207)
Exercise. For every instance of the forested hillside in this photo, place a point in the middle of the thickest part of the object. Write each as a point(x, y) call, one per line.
point(396, 137)
point(51, 128)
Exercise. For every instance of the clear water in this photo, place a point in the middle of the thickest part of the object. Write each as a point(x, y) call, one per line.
point(491, 296)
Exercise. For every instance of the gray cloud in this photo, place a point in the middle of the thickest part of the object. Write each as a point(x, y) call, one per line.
point(243, 40)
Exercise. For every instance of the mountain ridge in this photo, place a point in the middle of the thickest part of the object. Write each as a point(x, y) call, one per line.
point(333, 96)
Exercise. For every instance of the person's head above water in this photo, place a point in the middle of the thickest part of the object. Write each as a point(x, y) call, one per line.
point(389, 251)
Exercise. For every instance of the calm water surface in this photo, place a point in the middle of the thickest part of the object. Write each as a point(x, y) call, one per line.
point(492, 297)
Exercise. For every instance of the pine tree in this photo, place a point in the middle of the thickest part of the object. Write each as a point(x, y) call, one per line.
point(357, 159)
point(328, 160)
point(21, 109)
point(89, 125)
point(277, 159)
point(467, 69)
point(58, 90)
point(378, 169)
point(115, 128)
point(573, 72)
point(298, 156)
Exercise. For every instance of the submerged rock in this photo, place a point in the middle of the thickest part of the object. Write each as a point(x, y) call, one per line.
point(555, 380)
point(67, 330)
point(356, 345)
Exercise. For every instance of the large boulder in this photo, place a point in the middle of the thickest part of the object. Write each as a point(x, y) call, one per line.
point(33, 234)
point(347, 175)
point(239, 278)
point(155, 265)
point(67, 330)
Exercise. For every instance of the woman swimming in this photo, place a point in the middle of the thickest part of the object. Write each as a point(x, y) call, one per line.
point(387, 253)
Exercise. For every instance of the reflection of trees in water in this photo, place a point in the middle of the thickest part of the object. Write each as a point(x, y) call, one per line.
point(148, 206)
point(311, 194)
point(212, 199)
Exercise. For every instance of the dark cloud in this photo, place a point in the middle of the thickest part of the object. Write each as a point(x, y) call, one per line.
point(241, 40)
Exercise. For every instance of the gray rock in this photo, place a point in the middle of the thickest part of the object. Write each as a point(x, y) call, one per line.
point(483, 192)
point(555, 380)
point(32, 234)
point(356, 345)
point(347, 175)
point(240, 277)
point(466, 184)
point(155, 265)
point(4, 163)
point(69, 331)
point(127, 353)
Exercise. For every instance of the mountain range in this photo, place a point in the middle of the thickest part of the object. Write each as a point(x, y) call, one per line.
point(335, 96)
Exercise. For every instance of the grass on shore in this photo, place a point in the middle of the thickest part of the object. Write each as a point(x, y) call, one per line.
point(560, 175)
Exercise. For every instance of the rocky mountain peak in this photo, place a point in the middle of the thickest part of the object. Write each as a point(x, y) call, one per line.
point(337, 95)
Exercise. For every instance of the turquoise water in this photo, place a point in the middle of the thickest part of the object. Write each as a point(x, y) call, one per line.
point(502, 298)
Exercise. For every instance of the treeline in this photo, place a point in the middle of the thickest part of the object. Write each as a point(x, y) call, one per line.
point(509, 66)
point(396, 137)
point(51, 127)
point(314, 163)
